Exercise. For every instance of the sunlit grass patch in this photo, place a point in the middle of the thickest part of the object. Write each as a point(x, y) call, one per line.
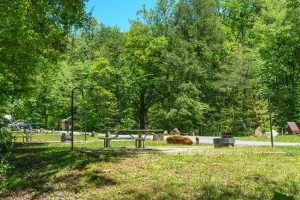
point(51, 137)
point(280, 138)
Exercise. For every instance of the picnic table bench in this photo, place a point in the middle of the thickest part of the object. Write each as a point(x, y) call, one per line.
point(27, 137)
point(139, 140)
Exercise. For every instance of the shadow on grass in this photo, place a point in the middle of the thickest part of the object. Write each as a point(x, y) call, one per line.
point(227, 190)
point(209, 192)
point(38, 169)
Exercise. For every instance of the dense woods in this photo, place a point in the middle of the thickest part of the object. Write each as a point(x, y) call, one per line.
point(198, 65)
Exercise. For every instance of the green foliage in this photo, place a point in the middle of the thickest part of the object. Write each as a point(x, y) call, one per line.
point(6, 140)
point(33, 35)
point(6, 145)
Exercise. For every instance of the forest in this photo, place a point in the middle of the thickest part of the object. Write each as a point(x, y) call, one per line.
point(197, 65)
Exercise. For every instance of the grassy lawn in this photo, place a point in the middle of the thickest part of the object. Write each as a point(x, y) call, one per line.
point(280, 138)
point(54, 172)
point(50, 137)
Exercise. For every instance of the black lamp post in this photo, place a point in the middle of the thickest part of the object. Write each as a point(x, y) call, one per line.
point(270, 115)
point(84, 125)
point(72, 115)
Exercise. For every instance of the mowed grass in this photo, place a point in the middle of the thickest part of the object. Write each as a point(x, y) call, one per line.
point(54, 172)
point(50, 137)
point(280, 138)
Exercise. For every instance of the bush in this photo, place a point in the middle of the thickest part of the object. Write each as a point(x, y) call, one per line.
point(248, 132)
point(6, 145)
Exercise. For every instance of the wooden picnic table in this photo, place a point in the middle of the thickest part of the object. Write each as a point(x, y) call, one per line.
point(139, 141)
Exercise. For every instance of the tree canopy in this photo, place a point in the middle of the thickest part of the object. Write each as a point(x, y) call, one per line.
point(198, 65)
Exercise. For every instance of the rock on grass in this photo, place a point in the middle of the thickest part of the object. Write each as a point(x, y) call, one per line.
point(178, 139)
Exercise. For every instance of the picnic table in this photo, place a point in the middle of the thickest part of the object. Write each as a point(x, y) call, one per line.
point(27, 136)
point(113, 134)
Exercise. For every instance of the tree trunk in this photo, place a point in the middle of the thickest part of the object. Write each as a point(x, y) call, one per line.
point(46, 121)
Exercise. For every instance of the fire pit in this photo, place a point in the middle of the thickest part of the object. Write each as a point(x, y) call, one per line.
point(225, 140)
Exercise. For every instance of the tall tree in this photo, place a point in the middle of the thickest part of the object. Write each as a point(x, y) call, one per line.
point(33, 34)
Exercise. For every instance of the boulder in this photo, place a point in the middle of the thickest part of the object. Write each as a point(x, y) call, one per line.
point(166, 132)
point(268, 134)
point(158, 136)
point(94, 134)
point(177, 139)
point(176, 131)
point(258, 132)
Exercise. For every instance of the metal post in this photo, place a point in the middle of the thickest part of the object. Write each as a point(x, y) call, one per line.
point(270, 115)
point(24, 133)
point(140, 140)
point(85, 126)
point(72, 115)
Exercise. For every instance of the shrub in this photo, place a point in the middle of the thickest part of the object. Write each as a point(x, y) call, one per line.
point(6, 145)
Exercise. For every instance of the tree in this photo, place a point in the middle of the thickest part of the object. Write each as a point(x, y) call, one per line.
point(144, 59)
point(33, 34)
point(280, 52)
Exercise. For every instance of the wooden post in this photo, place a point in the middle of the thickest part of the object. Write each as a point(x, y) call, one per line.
point(106, 143)
point(197, 140)
point(140, 140)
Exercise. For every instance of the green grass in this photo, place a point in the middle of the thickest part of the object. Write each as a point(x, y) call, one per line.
point(53, 171)
point(50, 137)
point(280, 138)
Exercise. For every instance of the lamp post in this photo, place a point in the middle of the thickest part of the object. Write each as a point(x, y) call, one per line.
point(84, 126)
point(270, 115)
point(72, 115)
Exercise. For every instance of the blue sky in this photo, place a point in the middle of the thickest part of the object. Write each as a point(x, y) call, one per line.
point(117, 12)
